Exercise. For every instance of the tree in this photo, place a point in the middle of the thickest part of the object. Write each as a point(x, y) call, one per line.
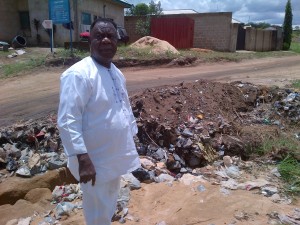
point(144, 11)
point(155, 9)
point(141, 9)
point(287, 26)
point(261, 25)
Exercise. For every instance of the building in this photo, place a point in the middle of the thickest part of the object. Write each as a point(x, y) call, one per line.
point(209, 30)
point(24, 17)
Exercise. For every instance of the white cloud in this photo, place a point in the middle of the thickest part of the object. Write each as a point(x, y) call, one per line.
point(243, 10)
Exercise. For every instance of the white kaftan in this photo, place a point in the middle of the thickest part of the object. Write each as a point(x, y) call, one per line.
point(95, 117)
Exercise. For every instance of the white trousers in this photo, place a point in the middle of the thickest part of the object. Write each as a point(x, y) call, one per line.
point(99, 201)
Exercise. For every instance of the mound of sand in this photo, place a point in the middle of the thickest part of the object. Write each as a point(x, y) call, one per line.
point(157, 46)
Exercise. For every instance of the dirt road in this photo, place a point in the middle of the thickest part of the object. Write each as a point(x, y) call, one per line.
point(36, 95)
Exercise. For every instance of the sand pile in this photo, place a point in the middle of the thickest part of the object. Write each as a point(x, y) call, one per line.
point(157, 46)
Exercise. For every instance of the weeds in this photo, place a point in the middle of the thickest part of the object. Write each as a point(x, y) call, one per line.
point(295, 47)
point(289, 170)
point(66, 53)
point(275, 144)
point(10, 70)
point(288, 149)
point(296, 84)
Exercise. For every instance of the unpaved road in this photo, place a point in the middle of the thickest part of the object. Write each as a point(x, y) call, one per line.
point(36, 94)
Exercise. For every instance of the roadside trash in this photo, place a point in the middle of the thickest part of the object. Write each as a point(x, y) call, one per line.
point(66, 193)
point(24, 221)
point(4, 46)
point(188, 179)
point(229, 184)
point(49, 220)
point(227, 161)
point(20, 52)
point(161, 223)
point(63, 208)
point(290, 219)
point(11, 165)
point(269, 191)
point(18, 42)
point(133, 183)
point(249, 185)
point(164, 178)
point(142, 175)
point(225, 191)
point(233, 171)
point(23, 171)
point(201, 188)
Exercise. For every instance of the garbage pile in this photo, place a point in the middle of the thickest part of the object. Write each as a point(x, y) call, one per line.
point(31, 147)
point(183, 126)
point(190, 132)
point(289, 106)
point(186, 126)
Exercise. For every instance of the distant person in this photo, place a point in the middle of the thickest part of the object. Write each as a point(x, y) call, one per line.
point(96, 124)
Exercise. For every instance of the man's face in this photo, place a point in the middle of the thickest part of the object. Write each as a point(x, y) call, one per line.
point(103, 41)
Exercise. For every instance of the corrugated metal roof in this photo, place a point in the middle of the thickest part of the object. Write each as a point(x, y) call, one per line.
point(235, 21)
point(178, 11)
point(124, 3)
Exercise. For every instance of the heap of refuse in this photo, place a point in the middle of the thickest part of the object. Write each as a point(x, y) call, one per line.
point(31, 147)
point(180, 127)
point(190, 132)
point(288, 106)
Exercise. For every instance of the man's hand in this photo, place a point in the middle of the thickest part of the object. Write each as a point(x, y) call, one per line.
point(86, 169)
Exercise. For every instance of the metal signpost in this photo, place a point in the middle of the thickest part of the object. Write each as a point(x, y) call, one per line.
point(59, 12)
point(48, 24)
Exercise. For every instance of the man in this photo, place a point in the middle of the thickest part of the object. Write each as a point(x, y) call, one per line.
point(96, 124)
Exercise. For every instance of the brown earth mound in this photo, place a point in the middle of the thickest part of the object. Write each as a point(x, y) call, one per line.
point(157, 46)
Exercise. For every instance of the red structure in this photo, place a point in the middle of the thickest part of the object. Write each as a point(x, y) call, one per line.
point(179, 32)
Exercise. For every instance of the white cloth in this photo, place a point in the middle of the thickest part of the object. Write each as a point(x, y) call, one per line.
point(99, 201)
point(95, 117)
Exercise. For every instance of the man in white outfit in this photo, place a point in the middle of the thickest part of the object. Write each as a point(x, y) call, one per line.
point(96, 124)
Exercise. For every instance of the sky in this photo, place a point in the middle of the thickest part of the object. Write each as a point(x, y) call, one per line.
point(268, 11)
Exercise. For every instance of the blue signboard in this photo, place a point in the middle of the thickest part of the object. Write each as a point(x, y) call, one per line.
point(59, 11)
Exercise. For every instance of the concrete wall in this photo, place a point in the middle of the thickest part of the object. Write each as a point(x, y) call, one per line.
point(263, 40)
point(38, 9)
point(211, 30)
point(129, 24)
point(9, 19)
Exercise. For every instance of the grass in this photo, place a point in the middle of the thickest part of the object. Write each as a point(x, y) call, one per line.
point(296, 84)
point(289, 167)
point(65, 53)
point(289, 170)
point(295, 47)
point(10, 70)
point(283, 142)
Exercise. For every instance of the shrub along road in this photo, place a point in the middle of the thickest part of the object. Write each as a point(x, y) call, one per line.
point(36, 95)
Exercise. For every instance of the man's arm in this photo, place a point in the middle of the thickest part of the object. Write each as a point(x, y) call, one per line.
point(75, 92)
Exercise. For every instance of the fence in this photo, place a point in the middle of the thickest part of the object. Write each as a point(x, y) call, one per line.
point(263, 40)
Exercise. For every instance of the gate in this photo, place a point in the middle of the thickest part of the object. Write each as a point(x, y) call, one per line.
point(179, 32)
point(241, 37)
